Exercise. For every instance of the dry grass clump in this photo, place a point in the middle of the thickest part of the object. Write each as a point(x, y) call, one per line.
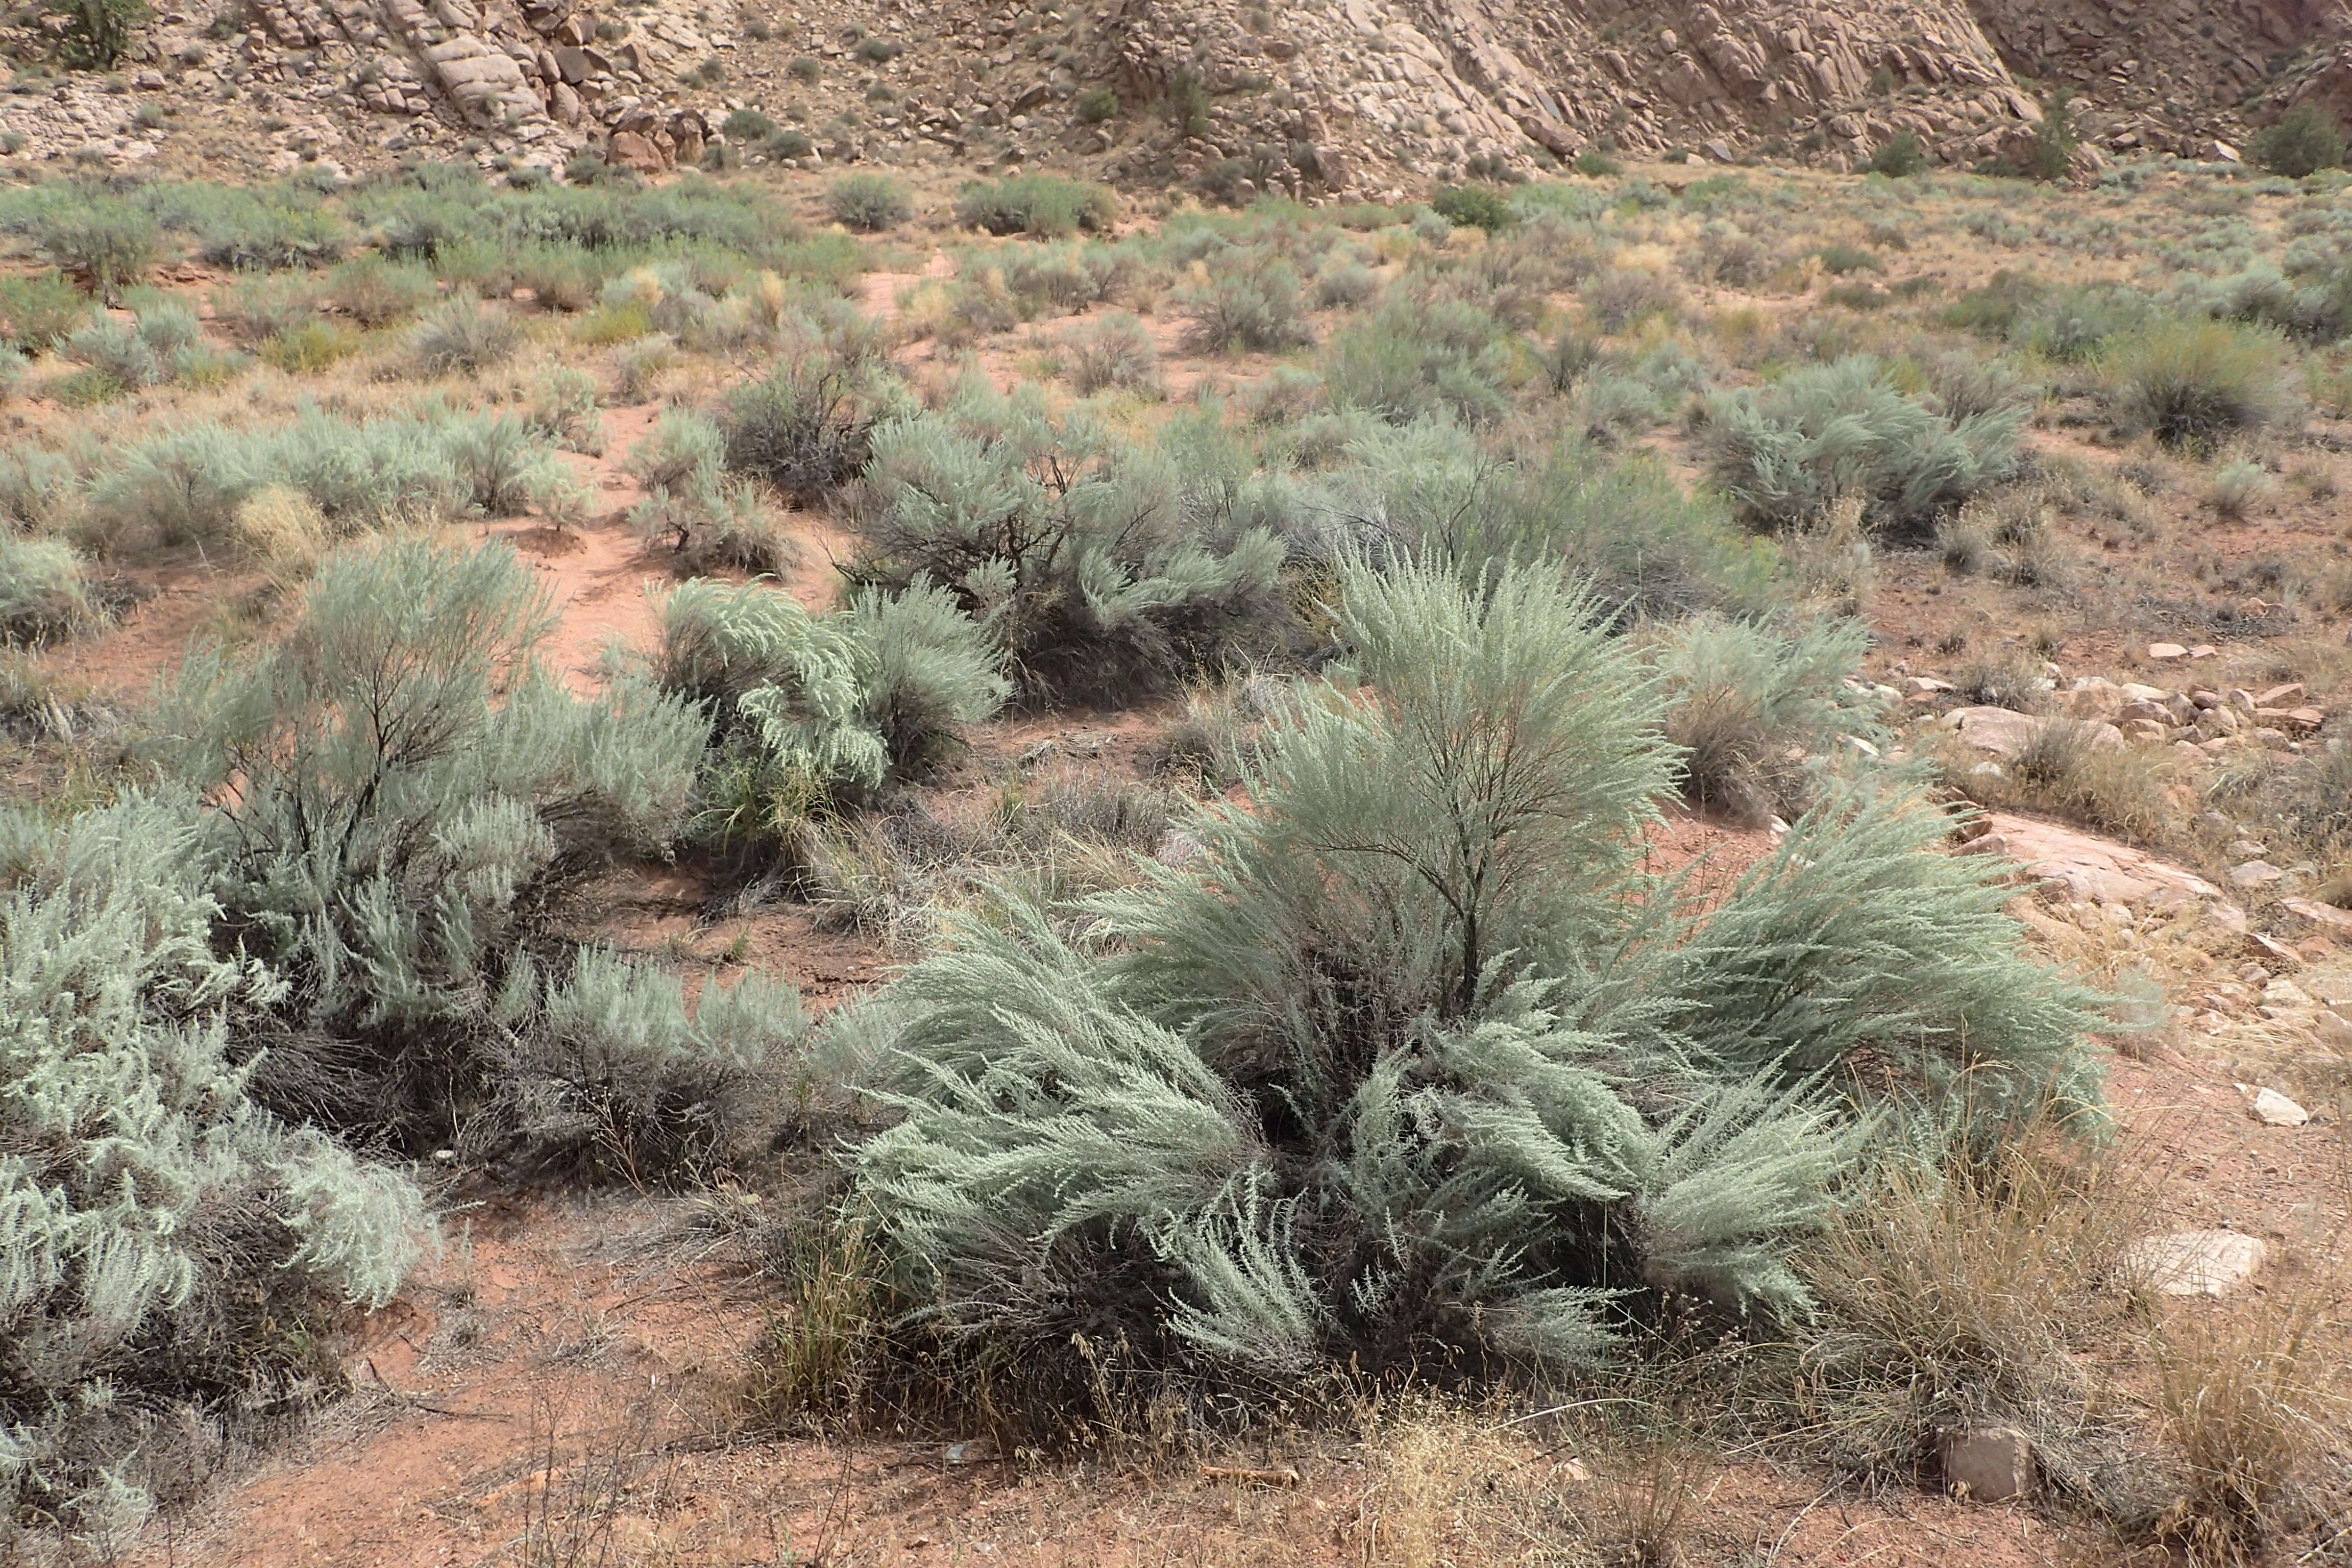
point(2252, 1400)
point(1974, 1299)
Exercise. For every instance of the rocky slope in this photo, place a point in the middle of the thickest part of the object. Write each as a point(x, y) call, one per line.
point(1311, 95)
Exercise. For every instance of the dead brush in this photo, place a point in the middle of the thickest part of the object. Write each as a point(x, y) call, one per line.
point(1969, 1296)
point(1455, 1486)
point(2253, 1397)
point(811, 1366)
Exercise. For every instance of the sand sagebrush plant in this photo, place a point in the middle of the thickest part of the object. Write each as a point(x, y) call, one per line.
point(2194, 384)
point(1413, 1065)
point(1785, 452)
point(1098, 566)
point(44, 593)
point(1742, 700)
point(172, 1249)
point(413, 786)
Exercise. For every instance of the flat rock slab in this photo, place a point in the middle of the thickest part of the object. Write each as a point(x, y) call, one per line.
point(2099, 870)
point(2195, 1262)
point(1987, 1464)
point(2273, 1109)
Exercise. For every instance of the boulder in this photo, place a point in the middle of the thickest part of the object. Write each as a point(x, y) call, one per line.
point(2254, 875)
point(631, 150)
point(2325, 918)
point(1987, 1464)
point(2273, 1109)
point(2194, 1262)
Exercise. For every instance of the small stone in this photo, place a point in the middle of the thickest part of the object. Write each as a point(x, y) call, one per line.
point(2273, 1109)
point(2165, 652)
point(2195, 1262)
point(2325, 918)
point(2253, 876)
point(1987, 1464)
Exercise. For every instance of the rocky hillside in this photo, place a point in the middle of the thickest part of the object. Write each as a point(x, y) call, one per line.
point(1304, 95)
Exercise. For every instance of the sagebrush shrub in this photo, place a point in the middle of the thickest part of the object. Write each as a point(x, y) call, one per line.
point(805, 427)
point(879, 691)
point(170, 1247)
point(1252, 302)
point(1099, 569)
point(1046, 205)
point(1382, 1079)
point(2193, 384)
point(466, 339)
point(43, 590)
point(412, 786)
point(1784, 453)
point(1412, 358)
point(868, 204)
point(1761, 716)
point(1115, 352)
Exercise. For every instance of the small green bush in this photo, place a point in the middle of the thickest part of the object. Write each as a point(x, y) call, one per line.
point(1251, 304)
point(2193, 384)
point(375, 292)
point(1115, 352)
point(104, 239)
point(747, 125)
point(868, 204)
point(1046, 205)
point(1474, 206)
point(1407, 359)
point(1899, 157)
point(876, 51)
point(1784, 453)
point(2302, 141)
point(44, 592)
point(466, 339)
point(1838, 261)
point(38, 310)
point(806, 70)
point(1095, 105)
point(1595, 165)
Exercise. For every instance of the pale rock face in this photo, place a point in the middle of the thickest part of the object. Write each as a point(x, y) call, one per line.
point(2273, 1109)
point(1987, 1464)
point(2195, 1262)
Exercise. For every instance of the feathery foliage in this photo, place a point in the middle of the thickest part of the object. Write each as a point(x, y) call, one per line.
point(412, 786)
point(1783, 454)
point(1414, 1065)
point(1099, 567)
point(1742, 699)
point(163, 1240)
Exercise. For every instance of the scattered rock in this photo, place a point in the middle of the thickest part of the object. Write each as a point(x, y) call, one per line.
point(1987, 1464)
point(2194, 1262)
point(2325, 918)
point(2163, 652)
point(2254, 875)
point(2273, 1109)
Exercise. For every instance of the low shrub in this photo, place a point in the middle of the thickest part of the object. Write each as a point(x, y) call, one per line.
point(1783, 454)
point(805, 427)
point(1761, 716)
point(1044, 205)
point(1408, 358)
point(465, 339)
point(877, 691)
point(1102, 570)
point(1095, 105)
point(1113, 353)
point(2193, 384)
point(1111, 1176)
point(44, 592)
point(375, 292)
point(106, 240)
point(38, 310)
point(2302, 141)
point(1254, 304)
point(1899, 157)
point(868, 204)
point(1474, 206)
